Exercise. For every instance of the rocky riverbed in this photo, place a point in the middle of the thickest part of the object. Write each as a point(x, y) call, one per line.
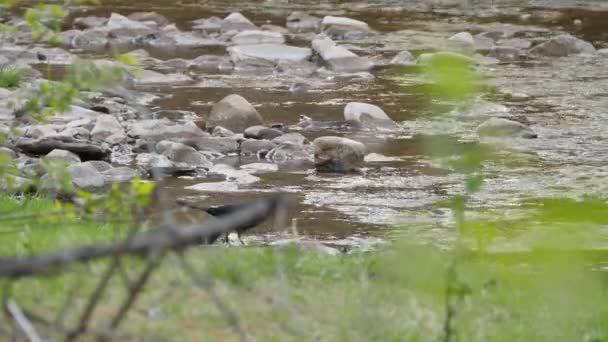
point(326, 101)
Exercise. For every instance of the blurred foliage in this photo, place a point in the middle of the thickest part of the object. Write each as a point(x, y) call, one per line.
point(11, 77)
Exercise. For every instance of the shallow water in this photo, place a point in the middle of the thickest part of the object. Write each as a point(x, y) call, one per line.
point(567, 106)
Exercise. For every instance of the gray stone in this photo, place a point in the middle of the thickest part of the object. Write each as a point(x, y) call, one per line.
point(234, 113)
point(89, 22)
point(99, 165)
point(63, 156)
point(261, 132)
point(301, 68)
point(158, 19)
point(219, 131)
point(180, 153)
point(368, 116)
point(85, 176)
point(338, 58)
point(211, 63)
point(255, 168)
point(76, 133)
point(463, 40)
point(8, 152)
point(403, 58)
point(105, 126)
point(503, 127)
point(300, 22)
point(255, 147)
point(117, 21)
point(504, 54)
point(336, 154)
point(289, 151)
point(224, 145)
point(248, 37)
point(149, 77)
point(342, 24)
point(86, 150)
point(562, 46)
point(157, 130)
point(40, 131)
point(208, 25)
point(517, 43)
point(270, 53)
point(89, 40)
point(444, 56)
point(291, 138)
point(237, 21)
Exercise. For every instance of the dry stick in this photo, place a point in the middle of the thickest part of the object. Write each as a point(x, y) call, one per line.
point(140, 244)
point(136, 288)
point(208, 286)
point(22, 321)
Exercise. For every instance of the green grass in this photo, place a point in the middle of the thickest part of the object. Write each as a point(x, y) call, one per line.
point(393, 294)
point(11, 77)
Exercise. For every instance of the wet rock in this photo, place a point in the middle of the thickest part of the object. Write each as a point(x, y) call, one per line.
point(215, 187)
point(187, 40)
point(89, 22)
point(300, 22)
point(172, 65)
point(77, 133)
point(603, 52)
point(291, 138)
point(561, 46)
point(255, 147)
point(261, 132)
point(404, 58)
point(153, 160)
point(302, 68)
point(504, 54)
point(211, 63)
point(257, 37)
point(86, 150)
point(503, 127)
point(339, 58)
point(235, 113)
point(463, 40)
point(233, 175)
point(237, 21)
point(336, 154)
point(149, 77)
point(105, 126)
point(289, 151)
point(339, 25)
point(120, 22)
point(270, 53)
point(180, 153)
point(157, 130)
point(85, 176)
point(516, 43)
point(368, 116)
point(39, 131)
point(224, 145)
point(63, 156)
point(89, 40)
point(119, 175)
point(219, 131)
point(100, 165)
point(8, 152)
point(275, 28)
point(255, 168)
point(158, 19)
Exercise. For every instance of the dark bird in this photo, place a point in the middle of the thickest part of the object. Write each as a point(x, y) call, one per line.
point(220, 211)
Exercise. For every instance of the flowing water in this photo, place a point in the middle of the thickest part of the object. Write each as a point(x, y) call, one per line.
point(566, 104)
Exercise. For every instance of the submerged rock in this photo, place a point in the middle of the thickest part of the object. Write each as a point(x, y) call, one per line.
point(336, 154)
point(503, 127)
point(562, 46)
point(235, 113)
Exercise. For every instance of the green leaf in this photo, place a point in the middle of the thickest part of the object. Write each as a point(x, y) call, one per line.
point(473, 183)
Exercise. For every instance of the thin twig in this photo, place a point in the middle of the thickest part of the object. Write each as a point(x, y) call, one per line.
point(209, 287)
point(22, 321)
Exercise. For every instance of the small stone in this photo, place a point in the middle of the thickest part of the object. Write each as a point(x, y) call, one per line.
point(337, 154)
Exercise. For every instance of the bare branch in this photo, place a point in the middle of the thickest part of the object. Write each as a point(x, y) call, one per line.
point(22, 321)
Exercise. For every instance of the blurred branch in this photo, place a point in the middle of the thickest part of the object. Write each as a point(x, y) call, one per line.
point(22, 321)
point(164, 238)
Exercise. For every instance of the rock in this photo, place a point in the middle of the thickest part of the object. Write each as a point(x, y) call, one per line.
point(219, 131)
point(562, 46)
point(340, 25)
point(289, 151)
point(236, 21)
point(208, 25)
point(275, 28)
point(235, 113)
point(215, 187)
point(119, 175)
point(180, 153)
point(153, 160)
point(106, 126)
point(233, 175)
point(211, 63)
point(257, 37)
point(504, 54)
point(156, 130)
point(117, 22)
point(339, 58)
point(89, 40)
point(261, 132)
point(503, 127)
point(291, 138)
point(222, 145)
point(271, 53)
point(603, 52)
point(300, 22)
point(154, 17)
point(77, 133)
point(463, 40)
point(85, 176)
point(301, 68)
point(39, 131)
point(254, 147)
point(8, 152)
point(86, 150)
point(149, 77)
point(99, 165)
point(516, 43)
point(336, 154)
point(403, 58)
point(255, 168)
point(368, 115)
point(444, 57)
point(63, 156)
point(89, 22)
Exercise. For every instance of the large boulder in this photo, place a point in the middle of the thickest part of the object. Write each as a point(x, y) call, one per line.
point(368, 116)
point(235, 113)
point(258, 37)
point(85, 149)
point(563, 45)
point(503, 127)
point(86, 176)
point(336, 154)
point(106, 126)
